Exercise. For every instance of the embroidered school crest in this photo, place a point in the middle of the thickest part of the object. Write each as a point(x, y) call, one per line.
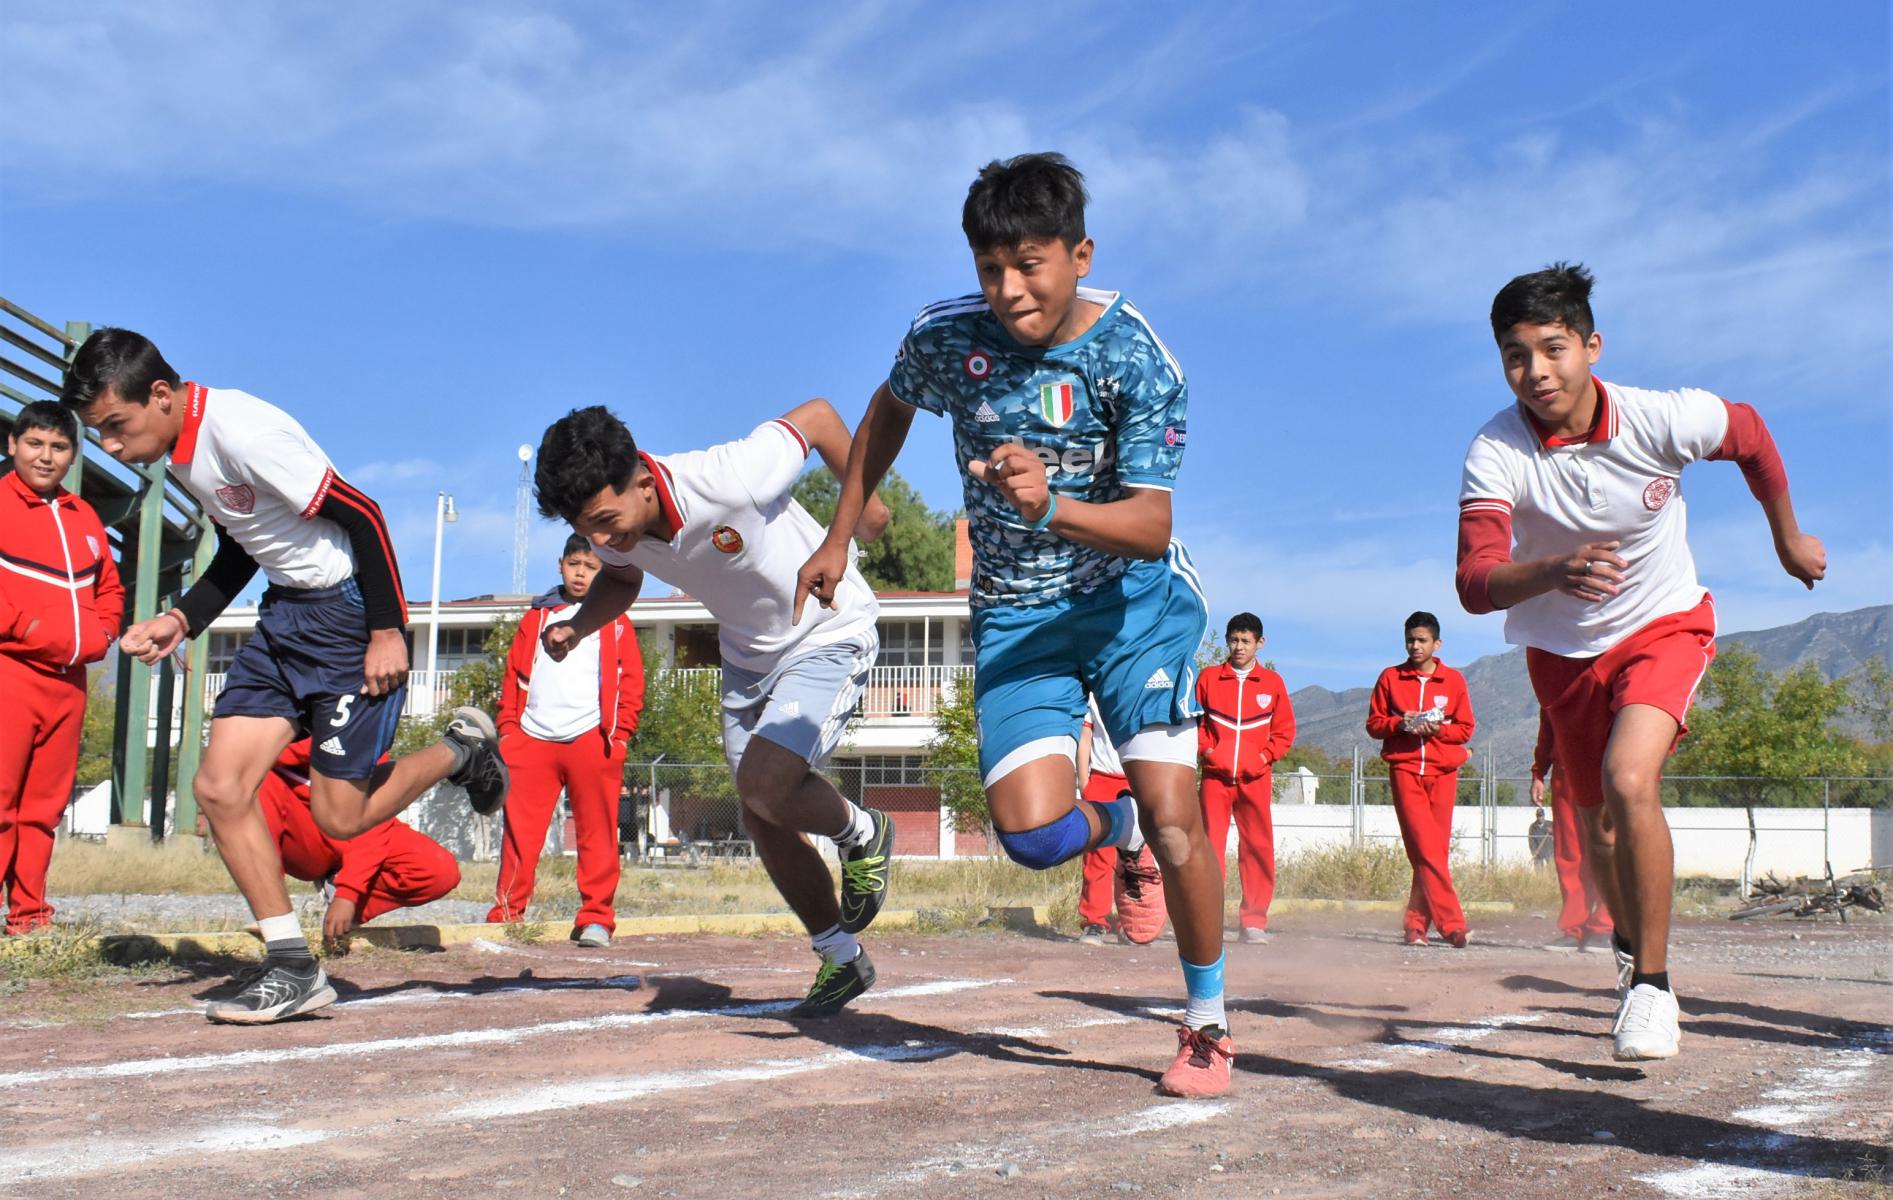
point(978, 365)
point(1055, 402)
point(238, 498)
point(726, 539)
point(1658, 492)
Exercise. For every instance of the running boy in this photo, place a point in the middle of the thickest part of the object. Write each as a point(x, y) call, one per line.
point(327, 660)
point(1571, 518)
point(720, 524)
point(564, 726)
point(1069, 423)
point(1421, 714)
point(1248, 723)
point(60, 607)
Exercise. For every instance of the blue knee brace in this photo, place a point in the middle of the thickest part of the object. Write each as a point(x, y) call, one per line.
point(1048, 845)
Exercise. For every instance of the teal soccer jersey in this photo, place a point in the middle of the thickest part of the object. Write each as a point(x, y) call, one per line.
point(1104, 413)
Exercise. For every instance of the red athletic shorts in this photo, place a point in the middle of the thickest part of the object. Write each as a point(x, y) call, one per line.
point(1659, 665)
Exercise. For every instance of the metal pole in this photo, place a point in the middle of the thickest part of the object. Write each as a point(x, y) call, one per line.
point(136, 703)
point(1827, 842)
point(433, 610)
point(1356, 796)
point(161, 748)
point(191, 736)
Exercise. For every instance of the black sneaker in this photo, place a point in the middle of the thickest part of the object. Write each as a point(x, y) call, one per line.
point(864, 875)
point(274, 993)
point(836, 984)
point(483, 773)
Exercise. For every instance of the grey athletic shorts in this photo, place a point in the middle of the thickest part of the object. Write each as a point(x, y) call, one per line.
point(803, 705)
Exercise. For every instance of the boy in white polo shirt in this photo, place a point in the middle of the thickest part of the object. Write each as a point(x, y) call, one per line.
point(1571, 518)
point(720, 524)
point(327, 661)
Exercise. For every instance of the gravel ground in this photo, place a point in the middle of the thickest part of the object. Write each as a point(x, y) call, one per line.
point(167, 914)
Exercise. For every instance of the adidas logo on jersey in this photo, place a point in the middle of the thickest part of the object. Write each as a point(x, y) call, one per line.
point(1159, 679)
point(332, 746)
point(791, 709)
point(984, 414)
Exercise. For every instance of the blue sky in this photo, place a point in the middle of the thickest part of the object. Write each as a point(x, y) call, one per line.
point(430, 229)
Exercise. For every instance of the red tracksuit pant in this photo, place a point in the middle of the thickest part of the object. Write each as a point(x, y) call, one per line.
point(1248, 802)
point(39, 756)
point(1097, 895)
point(1583, 913)
point(592, 780)
point(1424, 806)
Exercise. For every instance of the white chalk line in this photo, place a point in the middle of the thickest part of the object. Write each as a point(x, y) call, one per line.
point(91, 1155)
point(136, 1068)
point(1456, 1038)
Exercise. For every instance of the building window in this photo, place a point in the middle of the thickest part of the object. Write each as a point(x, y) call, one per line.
point(223, 651)
point(909, 644)
point(883, 770)
point(458, 647)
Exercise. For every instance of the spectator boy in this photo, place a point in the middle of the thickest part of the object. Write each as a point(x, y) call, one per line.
point(1110, 878)
point(1248, 723)
point(1422, 715)
point(60, 607)
point(564, 724)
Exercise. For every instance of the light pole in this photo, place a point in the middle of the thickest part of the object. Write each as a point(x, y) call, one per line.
point(443, 513)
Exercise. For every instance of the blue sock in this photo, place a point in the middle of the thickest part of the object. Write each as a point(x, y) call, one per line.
point(1119, 818)
point(1204, 984)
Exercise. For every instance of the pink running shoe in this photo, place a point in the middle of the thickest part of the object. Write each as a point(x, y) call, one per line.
point(1204, 1057)
point(1137, 891)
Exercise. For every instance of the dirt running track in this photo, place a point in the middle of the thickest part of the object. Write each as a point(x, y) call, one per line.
point(981, 1065)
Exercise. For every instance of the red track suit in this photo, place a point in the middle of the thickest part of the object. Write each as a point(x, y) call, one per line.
point(390, 866)
point(588, 763)
point(1424, 772)
point(1584, 914)
point(61, 606)
point(1247, 724)
point(1096, 896)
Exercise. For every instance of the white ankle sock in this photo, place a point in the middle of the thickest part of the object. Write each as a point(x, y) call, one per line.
point(858, 830)
point(836, 945)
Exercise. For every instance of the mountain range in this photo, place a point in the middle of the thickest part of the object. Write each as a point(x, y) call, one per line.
point(1837, 643)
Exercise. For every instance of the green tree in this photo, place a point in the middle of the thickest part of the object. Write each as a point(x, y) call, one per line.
point(1768, 729)
point(95, 737)
point(682, 719)
point(955, 749)
point(916, 552)
point(477, 684)
point(1870, 697)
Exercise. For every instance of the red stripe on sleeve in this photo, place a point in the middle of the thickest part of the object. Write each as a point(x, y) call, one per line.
point(345, 494)
point(796, 434)
point(1485, 541)
point(1750, 446)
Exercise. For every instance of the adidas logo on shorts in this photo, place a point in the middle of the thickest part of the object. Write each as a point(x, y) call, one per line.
point(984, 414)
point(332, 746)
point(1159, 679)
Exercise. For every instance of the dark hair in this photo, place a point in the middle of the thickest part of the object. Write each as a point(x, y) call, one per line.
point(582, 453)
point(1029, 198)
point(576, 543)
point(1243, 623)
point(1422, 620)
point(47, 414)
point(1558, 295)
point(115, 360)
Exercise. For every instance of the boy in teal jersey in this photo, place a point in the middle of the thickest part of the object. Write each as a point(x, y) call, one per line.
point(1069, 419)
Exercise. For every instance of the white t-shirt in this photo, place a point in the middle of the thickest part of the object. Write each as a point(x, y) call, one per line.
point(1104, 758)
point(261, 477)
point(1623, 485)
point(562, 700)
point(740, 542)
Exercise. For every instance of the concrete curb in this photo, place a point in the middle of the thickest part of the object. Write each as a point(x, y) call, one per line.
point(133, 946)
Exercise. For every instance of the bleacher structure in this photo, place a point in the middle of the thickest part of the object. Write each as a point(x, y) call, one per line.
point(161, 541)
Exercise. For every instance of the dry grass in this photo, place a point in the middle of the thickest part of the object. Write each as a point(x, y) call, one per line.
point(65, 954)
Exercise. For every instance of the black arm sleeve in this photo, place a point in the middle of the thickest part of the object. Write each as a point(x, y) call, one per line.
point(375, 570)
point(230, 571)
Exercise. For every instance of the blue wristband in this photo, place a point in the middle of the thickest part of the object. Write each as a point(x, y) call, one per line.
point(1040, 524)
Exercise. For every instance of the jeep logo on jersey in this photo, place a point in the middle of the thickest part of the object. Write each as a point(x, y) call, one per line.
point(238, 498)
point(1055, 402)
point(978, 365)
point(726, 539)
point(1073, 460)
point(1658, 492)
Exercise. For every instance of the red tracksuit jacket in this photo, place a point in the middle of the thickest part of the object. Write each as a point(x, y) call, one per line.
point(307, 852)
point(1402, 689)
point(61, 603)
point(1247, 723)
point(620, 677)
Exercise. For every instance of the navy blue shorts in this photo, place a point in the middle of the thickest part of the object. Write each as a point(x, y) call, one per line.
point(304, 664)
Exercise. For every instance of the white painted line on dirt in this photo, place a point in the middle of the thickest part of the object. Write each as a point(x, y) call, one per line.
point(1819, 1089)
point(90, 1155)
point(1169, 1116)
point(1435, 1040)
point(434, 995)
point(1364, 1064)
point(1716, 1181)
point(493, 1035)
point(1039, 1031)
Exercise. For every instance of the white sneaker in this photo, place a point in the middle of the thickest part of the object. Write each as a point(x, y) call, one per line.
point(1626, 969)
point(1646, 1025)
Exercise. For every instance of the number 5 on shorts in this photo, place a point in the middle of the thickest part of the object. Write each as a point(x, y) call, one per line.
point(341, 712)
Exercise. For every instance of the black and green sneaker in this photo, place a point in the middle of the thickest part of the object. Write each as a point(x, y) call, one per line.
point(836, 984)
point(864, 875)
